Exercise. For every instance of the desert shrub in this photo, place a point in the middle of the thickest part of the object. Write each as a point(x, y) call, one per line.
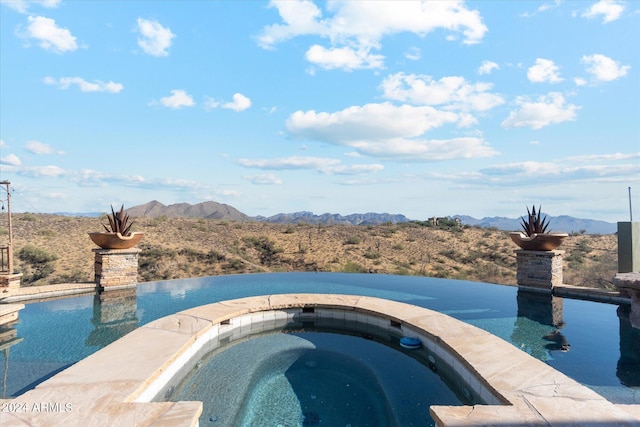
point(235, 264)
point(151, 261)
point(352, 267)
point(353, 240)
point(46, 233)
point(34, 255)
point(36, 263)
point(289, 230)
point(370, 254)
point(157, 221)
point(194, 255)
point(402, 271)
point(267, 250)
point(397, 247)
point(76, 276)
point(575, 259)
point(3, 231)
point(450, 253)
point(200, 227)
point(302, 249)
point(28, 217)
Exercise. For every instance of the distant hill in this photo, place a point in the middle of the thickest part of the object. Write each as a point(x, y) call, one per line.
point(211, 210)
point(559, 224)
point(332, 219)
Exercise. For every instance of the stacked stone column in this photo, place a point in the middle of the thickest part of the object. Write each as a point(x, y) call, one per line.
point(539, 270)
point(116, 268)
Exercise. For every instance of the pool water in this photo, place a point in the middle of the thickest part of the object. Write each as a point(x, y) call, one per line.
point(309, 378)
point(603, 349)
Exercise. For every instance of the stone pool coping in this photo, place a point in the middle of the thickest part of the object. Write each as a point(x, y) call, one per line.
point(106, 387)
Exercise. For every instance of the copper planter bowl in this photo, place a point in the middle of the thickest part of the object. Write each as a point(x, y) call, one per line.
point(538, 242)
point(116, 240)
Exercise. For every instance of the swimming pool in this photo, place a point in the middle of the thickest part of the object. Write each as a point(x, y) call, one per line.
point(604, 351)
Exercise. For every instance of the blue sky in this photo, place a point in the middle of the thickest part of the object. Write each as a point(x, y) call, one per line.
point(418, 108)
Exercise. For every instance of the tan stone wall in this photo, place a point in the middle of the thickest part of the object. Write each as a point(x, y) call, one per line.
point(11, 281)
point(539, 269)
point(116, 267)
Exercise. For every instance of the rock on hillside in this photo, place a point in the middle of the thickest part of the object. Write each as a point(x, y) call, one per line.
point(211, 210)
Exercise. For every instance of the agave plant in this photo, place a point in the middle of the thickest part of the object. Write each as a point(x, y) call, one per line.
point(535, 224)
point(118, 222)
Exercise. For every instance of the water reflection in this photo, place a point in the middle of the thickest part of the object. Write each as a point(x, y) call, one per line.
point(537, 327)
point(8, 338)
point(114, 315)
point(628, 368)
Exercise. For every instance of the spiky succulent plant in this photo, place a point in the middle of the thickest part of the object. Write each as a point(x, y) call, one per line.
point(119, 222)
point(535, 223)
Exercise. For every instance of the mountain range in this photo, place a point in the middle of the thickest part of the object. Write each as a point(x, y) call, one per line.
point(214, 210)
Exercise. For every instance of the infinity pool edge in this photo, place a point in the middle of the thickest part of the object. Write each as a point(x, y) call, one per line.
point(115, 385)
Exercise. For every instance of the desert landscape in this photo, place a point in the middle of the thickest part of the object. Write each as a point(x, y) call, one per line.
point(56, 249)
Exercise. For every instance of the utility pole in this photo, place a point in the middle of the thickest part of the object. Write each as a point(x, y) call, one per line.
point(10, 247)
point(630, 210)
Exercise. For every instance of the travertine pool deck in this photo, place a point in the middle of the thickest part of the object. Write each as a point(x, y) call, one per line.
point(32, 293)
point(112, 386)
point(9, 313)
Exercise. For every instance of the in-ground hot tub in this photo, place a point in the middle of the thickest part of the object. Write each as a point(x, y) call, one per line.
point(320, 371)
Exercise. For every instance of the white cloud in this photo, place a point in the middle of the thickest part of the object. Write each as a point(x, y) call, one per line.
point(542, 8)
point(85, 86)
point(355, 169)
point(387, 131)
point(453, 92)
point(604, 68)
point(527, 173)
point(40, 171)
point(22, 6)
point(290, 163)
point(320, 164)
point(240, 103)
point(369, 122)
point(264, 179)
point(178, 99)
point(2, 143)
point(49, 35)
point(344, 58)
point(605, 157)
point(10, 160)
point(609, 9)
point(155, 39)
point(544, 71)
point(546, 110)
point(37, 147)
point(487, 67)
point(588, 169)
point(579, 81)
point(299, 17)
point(356, 28)
point(413, 54)
point(426, 150)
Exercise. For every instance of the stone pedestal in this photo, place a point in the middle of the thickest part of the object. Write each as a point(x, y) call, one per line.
point(628, 247)
point(629, 284)
point(11, 281)
point(116, 268)
point(539, 270)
